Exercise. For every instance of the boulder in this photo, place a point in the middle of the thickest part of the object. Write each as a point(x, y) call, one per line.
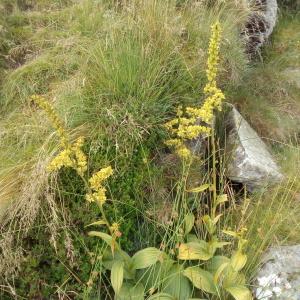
point(260, 24)
point(248, 160)
point(279, 276)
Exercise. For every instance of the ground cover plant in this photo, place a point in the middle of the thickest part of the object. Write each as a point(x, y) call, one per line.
point(116, 72)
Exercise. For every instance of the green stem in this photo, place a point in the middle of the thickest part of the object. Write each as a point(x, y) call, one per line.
point(214, 173)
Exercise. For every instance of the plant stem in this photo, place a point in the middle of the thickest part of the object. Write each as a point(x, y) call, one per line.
point(214, 173)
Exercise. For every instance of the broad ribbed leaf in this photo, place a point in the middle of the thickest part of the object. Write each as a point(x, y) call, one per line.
point(201, 279)
point(233, 277)
point(221, 199)
point(104, 236)
point(100, 222)
point(117, 275)
point(209, 224)
point(214, 244)
point(192, 238)
point(176, 284)
point(221, 270)
point(238, 261)
point(189, 220)
point(231, 233)
point(199, 188)
point(215, 263)
point(109, 259)
point(131, 292)
point(239, 292)
point(161, 296)
point(216, 219)
point(154, 276)
point(194, 251)
point(146, 258)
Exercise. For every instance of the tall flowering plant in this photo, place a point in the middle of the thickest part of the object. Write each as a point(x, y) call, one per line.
point(194, 121)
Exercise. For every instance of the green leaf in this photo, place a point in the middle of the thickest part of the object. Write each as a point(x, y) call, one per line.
point(189, 221)
point(194, 251)
point(117, 277)
point(192, 238)
point(109, 259)
point(220, 271)
point(214, 244)
point(146, 258)
point(215, 263)
point(100, 222)
point(221, 199)
point(238, 261)
point(216, 219)
point(231, 233)
point(201, 279)
point(153, 276)
point(161, 296)
point(104, 236)
point(199, 188)
point(131, 292)
point(233, 277)
point(176, 284)
point(239, 292)
point(209, 224)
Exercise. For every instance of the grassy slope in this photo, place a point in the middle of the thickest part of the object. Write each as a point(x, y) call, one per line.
point(115, 75)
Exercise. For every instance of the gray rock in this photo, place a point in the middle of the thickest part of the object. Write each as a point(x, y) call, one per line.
point(260, 24)
point(248, 159)
point(279, 276)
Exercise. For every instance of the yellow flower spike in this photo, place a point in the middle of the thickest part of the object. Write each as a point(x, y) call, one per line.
point(183, 152)
point(81, 160)
point(169, 125)
point(114, 227)
point(173, 142)
point(96, 184)
point(188, 124)
point(63, 159)
point(179, 111)
point(97, 196)
point(89, 197)
point(100, 195)
point(97, 179)
point(54, 118)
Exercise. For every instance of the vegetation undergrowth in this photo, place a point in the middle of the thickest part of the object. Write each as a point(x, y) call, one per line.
point(128, 273)
point(114, 73)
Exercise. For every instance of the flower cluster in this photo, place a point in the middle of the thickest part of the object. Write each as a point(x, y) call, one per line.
point(72, 157)
point(80, 157)
point(53, 117)
point(63, 159)
point(114, 228)
point(96, 184)
point(194, 121)
point(72, 154)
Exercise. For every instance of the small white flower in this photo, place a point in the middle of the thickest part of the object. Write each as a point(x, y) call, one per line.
point(277, 290)
point(287, 285)
point(266, 294)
